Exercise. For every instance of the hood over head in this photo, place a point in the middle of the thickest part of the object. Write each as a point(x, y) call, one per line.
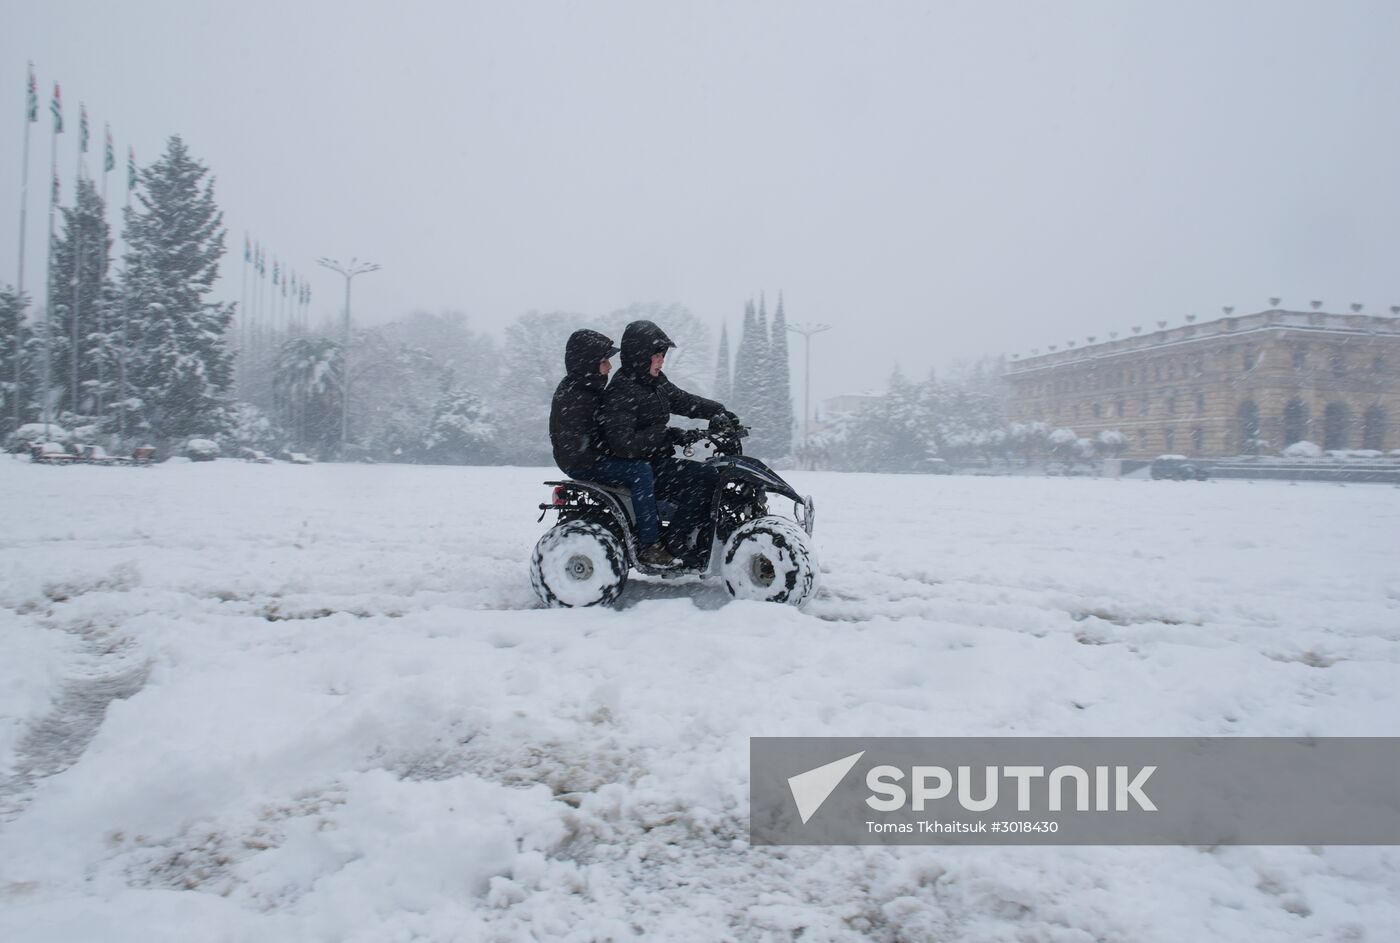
point(640, 340)
point(585, 350)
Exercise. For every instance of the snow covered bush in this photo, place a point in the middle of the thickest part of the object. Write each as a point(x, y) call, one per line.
point(250, 428)
point(1110, 443)
point(33, 432)
point(1303, 449)
point(1064, 445)
point(463, 431)
point(201, 450)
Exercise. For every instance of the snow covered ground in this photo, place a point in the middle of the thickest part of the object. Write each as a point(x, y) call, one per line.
point(243, 702)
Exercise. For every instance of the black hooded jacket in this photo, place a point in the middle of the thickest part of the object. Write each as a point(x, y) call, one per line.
point(573, 413)
point(637, 406)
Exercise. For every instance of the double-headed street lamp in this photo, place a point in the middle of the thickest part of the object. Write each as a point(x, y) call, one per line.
point(807, 330)
point(355, 267)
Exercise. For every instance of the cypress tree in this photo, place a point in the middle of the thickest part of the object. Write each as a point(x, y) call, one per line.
point(744, 369)
point(762, 385)
point(780, 385)
point(722, 388)
point(180, 366)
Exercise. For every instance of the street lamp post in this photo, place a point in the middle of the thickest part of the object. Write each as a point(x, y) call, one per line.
point(807, 330)
point(355, 267)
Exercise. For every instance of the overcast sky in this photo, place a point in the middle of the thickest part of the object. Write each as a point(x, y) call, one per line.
point(936, 180)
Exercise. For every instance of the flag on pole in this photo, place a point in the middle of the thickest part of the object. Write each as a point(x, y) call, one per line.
point(276, 270)
point(56, 106)
point(109, 159)
point(82, 127)
point(131, 168)
point(31, 101)
point(247, 249)
point(54, 195)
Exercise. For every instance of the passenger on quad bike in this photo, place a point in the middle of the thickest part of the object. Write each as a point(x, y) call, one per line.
point(637, 409)
point(577, 438)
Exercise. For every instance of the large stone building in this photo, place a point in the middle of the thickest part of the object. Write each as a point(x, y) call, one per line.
point(1238, 385)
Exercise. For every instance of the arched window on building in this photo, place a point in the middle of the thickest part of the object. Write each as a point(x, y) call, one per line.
point(1300, 357)
point(1118, 406)
point(1335, 420)
point(1143, 404)
point(1171, 403)
point(1169, 439)
point(1247, 424)
point(1200, 403)
point(1198, 440)
point(1339, 362)
point(1373, 427)
point(1295, 422)
point(1098, 411)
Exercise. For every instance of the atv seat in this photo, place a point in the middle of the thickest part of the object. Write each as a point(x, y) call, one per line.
point(619, 490)
point(665, 508)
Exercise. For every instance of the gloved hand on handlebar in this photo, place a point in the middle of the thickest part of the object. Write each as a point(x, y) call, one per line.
point(724, 419)
point(679, 436)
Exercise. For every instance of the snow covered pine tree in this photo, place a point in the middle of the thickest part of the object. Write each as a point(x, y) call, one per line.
point(180, 367)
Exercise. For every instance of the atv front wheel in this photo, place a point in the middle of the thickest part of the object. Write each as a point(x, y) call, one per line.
point(768, 559)
point(578, 563)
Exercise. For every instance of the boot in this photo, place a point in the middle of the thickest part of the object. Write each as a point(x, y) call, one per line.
point(657, 555)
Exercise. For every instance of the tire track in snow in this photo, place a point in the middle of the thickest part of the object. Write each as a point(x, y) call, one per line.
point(57, 739)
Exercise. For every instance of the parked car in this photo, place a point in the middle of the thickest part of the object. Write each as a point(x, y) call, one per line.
point(1179, 468)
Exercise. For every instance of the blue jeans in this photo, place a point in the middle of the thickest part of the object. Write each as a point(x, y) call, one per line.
point(633, 473)
point(691, 485)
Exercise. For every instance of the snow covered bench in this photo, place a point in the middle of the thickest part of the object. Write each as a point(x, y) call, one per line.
point(51, 453)
point(97, 455)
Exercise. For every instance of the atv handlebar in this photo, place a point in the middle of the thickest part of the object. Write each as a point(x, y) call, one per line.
point(724, 436)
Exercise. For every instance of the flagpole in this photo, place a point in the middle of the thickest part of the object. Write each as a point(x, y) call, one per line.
point(99, 308)
point(56, 106)
point(126, 293)
point(243, 321)
point(77, 259)
point(31, 115)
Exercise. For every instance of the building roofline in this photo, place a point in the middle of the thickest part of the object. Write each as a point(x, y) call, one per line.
point(1316, 322)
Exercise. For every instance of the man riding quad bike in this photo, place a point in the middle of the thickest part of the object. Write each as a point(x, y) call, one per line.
point(713, 514)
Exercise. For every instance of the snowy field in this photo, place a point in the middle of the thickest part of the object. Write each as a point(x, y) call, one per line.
point(244, 702)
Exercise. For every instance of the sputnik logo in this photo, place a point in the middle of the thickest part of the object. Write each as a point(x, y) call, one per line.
point(812, 788)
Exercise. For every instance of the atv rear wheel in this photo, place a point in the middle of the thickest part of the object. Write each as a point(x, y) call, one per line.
point(769, 559)
point(578, 563)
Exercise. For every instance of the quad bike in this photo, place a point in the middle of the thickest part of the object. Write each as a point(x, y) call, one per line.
point(585, 558)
